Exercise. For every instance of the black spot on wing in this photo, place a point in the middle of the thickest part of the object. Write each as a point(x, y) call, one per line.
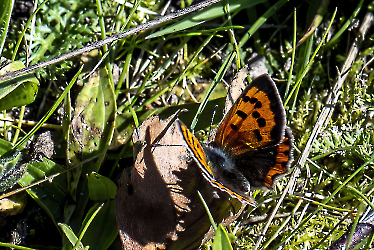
point(257, 134)
point(266, 85)
point(256, 115)
point(258, 105)
point(253, 100)
point(241, 114)
point(233, 126)
point(261, 122)
point(246, 98)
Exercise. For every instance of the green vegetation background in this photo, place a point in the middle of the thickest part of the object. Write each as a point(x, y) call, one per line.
point(158, 73)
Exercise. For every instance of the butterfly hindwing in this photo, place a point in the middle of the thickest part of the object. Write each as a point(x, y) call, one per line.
point(256, 120)
point(284, 157)
point(264, 166)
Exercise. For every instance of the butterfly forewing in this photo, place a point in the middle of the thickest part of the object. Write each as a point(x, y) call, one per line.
point(196, 149)
point(257, 119)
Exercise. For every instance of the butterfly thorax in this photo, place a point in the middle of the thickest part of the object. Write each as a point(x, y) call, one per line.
point(218, 159)
point(225, 171)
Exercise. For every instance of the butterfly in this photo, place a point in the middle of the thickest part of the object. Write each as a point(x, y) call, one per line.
point(252, 146)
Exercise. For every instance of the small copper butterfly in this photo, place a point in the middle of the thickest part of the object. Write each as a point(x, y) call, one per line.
point(252, 146)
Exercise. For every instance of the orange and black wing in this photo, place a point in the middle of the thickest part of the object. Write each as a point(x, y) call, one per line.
point(264, 166)
point(200, 158)
point(196, 150)
point(283, 159)
point(256, 120)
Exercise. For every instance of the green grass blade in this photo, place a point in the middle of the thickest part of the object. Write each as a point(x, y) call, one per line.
point(69, 233)
point(204, 16)
point(6, 7)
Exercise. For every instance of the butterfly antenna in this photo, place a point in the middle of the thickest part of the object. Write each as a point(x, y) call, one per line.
point(211, 122)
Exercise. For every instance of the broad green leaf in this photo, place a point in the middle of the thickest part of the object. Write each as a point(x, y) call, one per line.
point(205, 15)
point(100, 187)
point(90, 132)
point(18, 92)
point(4, 146)
point(51, 196)
point(221, 239)
point(101, 239)
point(6, 7)
point(70, 235)
point(11, 170)
point(49, 112)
